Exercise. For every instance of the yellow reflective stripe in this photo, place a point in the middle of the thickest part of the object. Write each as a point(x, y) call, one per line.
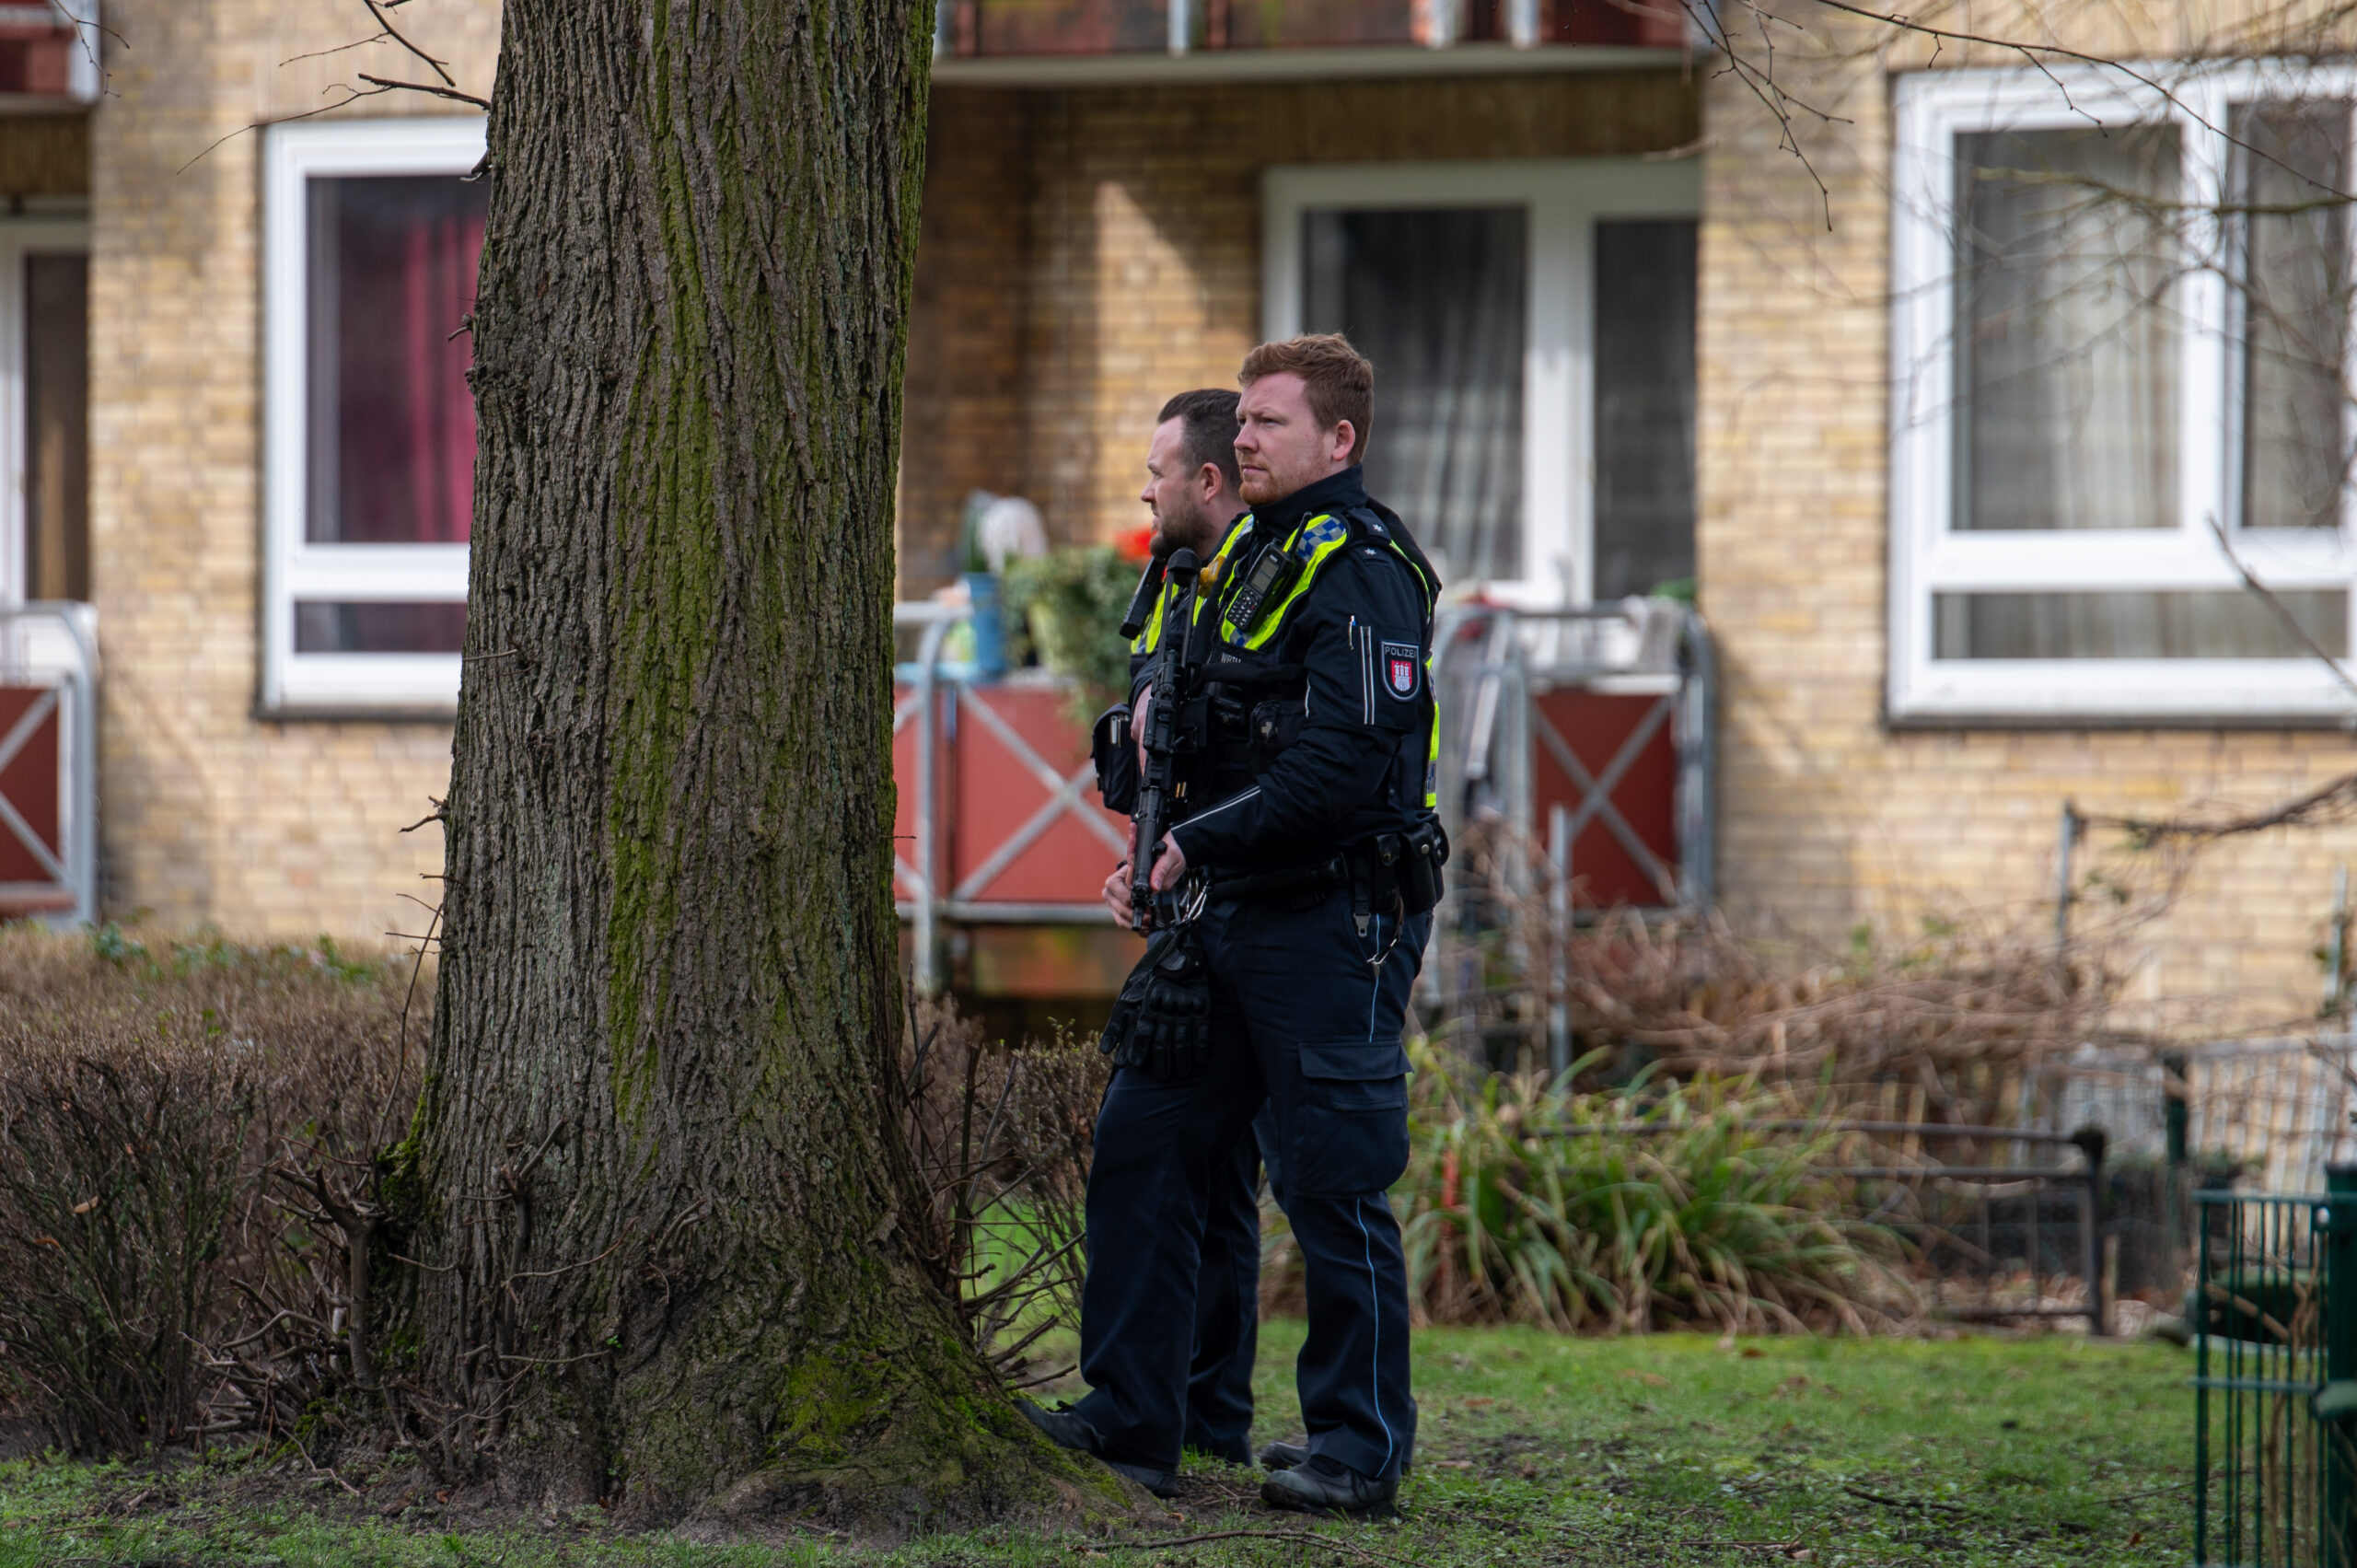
point(1273, 619)
point(1236, 533)
point(1432, 751)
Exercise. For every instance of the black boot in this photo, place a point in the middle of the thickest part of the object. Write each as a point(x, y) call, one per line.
point(1285, 1456)
point(1065, 1429)
point(1320, 1485)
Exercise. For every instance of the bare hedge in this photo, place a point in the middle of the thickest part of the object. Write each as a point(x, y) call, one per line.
point(159, 1109)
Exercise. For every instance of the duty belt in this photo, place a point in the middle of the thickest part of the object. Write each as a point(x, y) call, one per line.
point(1391, 872)
point(1248, 886)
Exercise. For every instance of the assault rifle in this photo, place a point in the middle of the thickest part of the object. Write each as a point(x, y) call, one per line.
point(1159, 781)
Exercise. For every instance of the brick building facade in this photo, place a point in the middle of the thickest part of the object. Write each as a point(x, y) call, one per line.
point(211, 810)
point(1093, 239)
point(1088, 250)
point(1850, 800)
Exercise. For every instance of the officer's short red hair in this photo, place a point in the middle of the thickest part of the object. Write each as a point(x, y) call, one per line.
point(1337, 378)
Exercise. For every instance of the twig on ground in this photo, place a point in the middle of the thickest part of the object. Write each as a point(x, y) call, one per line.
point(2148, 1491)
point(315, 1470)
point(1889, 1502)
point(1745, 1545)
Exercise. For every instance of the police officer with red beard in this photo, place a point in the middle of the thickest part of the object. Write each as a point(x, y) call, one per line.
point(1303, 883)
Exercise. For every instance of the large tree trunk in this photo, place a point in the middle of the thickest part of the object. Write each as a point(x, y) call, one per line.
point(670, 1251)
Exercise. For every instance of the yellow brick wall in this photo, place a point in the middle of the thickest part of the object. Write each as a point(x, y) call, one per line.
point(1138, 252)
point(1136, 269)
point(206, 815)
point(1829, 817)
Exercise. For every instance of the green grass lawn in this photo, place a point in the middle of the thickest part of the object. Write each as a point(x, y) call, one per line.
point(1534, 1448)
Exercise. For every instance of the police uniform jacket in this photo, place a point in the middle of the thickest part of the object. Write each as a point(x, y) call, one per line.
point(1315, 721)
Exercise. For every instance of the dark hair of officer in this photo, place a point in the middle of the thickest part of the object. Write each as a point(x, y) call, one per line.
point(1337, 379)
point(1209, 434)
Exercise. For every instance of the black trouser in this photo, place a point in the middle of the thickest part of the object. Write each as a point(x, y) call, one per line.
point(1228, 1304)
point(1305, 1015)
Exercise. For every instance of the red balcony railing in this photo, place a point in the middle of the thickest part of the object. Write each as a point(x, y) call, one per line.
point(45, 53)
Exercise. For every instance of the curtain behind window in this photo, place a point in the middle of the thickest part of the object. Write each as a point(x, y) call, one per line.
point(2292, 299)
point(57, 426)
point(1436, 298)
point(1644, 405)
point(392, 423)
point(2065, 357)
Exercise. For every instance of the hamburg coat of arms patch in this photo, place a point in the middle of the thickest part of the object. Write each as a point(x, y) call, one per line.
point(1402, 670)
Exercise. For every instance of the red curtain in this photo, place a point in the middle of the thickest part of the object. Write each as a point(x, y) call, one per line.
point(403, 280)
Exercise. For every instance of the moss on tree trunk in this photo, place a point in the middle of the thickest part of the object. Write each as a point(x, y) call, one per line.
point(670, 1241)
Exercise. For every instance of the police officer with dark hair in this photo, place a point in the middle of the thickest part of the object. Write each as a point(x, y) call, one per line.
point(1193, 490)
point(1298, 894)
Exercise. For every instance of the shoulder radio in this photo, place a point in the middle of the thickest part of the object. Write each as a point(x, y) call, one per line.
point(1272, 576)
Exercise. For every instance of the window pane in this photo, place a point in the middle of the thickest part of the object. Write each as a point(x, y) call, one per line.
point(2293, 298)
point(57, 427)
point(1436, 299)
point(392, 424)
point(2065, 362)
point(376, 628)
point(2204, 624)
point(1644, 405)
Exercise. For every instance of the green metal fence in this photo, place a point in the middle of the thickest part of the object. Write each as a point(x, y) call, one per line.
point(2275, 1472)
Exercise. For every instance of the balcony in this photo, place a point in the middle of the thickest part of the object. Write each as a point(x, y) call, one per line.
point(1084, 42)
point(48, 59)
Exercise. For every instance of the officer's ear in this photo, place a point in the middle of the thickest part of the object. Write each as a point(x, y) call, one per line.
point(1345, 439)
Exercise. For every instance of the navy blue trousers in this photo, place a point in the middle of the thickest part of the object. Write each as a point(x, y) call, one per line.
point(1306, 1013)
point(1228, 1304)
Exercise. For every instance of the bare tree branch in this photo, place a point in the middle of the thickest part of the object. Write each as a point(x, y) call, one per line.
point(2037, 55)
point(383, 85)
point(377, 8)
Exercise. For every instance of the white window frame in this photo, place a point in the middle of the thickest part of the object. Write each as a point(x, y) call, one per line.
point(21, 237)
point(1928, 556)
point(1565, 197)
point(294, 684)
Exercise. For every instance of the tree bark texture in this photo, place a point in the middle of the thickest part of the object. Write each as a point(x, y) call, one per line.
point(668, 1248)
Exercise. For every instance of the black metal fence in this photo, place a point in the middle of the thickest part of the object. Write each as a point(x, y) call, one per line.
point(2275, 1474)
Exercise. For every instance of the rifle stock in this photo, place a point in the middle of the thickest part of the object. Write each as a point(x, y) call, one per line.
point(1141, 601)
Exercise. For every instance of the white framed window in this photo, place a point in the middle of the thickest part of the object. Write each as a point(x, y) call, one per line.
point(44, 406)
point(2120, 333)
point(371, 239)
point(1531, 326)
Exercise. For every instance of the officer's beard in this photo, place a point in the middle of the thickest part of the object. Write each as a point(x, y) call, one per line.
point(1193, 531)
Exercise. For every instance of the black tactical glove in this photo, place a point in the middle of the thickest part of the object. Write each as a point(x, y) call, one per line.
point(1161, 1022)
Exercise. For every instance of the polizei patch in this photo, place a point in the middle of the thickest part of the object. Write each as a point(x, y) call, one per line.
point(1401, 670)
